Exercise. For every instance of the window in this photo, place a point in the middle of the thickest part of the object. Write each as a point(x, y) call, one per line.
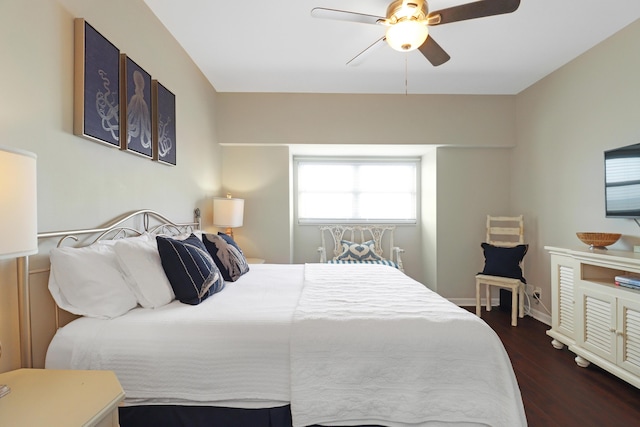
point(356, 190)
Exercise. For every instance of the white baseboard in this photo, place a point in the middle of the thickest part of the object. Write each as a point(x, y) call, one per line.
point(534, 312)
point(542, 316)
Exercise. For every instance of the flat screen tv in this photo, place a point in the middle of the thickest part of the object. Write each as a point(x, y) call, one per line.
point(622, 182)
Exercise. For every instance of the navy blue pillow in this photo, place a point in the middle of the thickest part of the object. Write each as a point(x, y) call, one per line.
point(190, 269)
point(504, 262)
point(229, 240)
point(228, 257)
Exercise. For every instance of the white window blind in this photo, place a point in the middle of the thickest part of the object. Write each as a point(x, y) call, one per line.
point(356, 190)
point(622, 183)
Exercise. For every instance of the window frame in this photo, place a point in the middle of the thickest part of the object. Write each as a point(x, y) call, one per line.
point(416, 161)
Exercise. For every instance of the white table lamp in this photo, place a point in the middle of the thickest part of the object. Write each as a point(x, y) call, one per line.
point(228, 213)
point(18, 203)
point(18, 208)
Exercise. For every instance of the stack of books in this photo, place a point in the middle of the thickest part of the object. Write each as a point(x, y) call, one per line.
point(628, 281)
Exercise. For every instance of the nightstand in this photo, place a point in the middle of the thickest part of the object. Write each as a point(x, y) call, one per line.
point(48, 397)
point(255, 261)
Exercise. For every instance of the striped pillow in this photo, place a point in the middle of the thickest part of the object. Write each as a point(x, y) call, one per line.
point(380, 262)
point(190, 269)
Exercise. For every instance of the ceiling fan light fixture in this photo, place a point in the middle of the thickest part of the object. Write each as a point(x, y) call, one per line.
point(407, 35)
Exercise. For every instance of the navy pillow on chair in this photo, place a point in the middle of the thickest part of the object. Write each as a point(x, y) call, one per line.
point(227, 256)
point(503, 261)
point(190, 269)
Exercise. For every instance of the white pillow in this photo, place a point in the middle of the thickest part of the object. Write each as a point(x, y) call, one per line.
point(88, 282)
point(140, 262)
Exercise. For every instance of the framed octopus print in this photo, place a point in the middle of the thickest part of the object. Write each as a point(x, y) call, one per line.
point(97, 86)
point(135, 101)
point(164, 124)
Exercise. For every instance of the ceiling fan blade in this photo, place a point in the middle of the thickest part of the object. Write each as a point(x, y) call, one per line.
point(343, 15)
point(360, 58)
point(473, 10)
point(433, 52)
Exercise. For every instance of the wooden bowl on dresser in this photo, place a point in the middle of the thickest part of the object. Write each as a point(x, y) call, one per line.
point(598, 240)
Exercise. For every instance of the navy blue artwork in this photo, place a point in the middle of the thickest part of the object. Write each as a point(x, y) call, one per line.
point(166, 125)
point(101, 88)
point(138, 109)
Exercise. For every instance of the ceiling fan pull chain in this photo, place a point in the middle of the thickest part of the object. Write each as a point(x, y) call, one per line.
point(406, 76)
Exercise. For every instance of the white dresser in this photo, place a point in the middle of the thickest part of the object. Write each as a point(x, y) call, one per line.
point(597, 320)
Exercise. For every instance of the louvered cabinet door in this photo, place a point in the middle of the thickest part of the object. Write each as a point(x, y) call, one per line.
point(566, 300)
point(563, 300)
point(629, 335)
point(598, 312)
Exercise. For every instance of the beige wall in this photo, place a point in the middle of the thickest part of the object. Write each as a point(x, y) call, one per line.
point(429, 219)
point(381, 121)
point(260, 176)
point(83, 183)
point(471, 184)
point(554, 175)
point(469, 120)
point(565, 122)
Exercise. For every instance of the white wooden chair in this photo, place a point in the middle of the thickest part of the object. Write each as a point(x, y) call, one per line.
point(361, 234)
point(504, 232)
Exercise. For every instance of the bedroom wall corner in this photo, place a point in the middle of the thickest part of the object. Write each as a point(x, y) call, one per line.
point(463, 202)
point(260, 175)
point(565, 122)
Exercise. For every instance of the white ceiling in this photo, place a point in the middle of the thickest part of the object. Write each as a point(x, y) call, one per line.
point(276, 46)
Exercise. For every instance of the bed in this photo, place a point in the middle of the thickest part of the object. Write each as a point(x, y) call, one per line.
point(300, 345)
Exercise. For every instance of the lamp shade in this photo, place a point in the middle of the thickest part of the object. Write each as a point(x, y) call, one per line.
point(18, 203)
point(228, 212)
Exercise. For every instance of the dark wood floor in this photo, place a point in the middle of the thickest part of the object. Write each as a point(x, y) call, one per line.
point(555, 391)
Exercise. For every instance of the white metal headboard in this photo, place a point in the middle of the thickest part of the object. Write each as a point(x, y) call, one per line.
point(126, 225)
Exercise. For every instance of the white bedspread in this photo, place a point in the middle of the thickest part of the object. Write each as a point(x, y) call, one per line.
point(231, 350)
point(395, 354)
point(341, 349)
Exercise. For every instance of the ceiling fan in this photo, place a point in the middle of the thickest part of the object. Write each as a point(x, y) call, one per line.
point(407, 23)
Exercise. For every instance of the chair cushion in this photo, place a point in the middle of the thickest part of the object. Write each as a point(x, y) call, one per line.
point(503, 261)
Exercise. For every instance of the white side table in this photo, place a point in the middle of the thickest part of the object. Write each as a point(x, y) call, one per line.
point(48, 397)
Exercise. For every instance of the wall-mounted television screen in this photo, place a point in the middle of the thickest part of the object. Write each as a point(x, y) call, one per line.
point(622, 182)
